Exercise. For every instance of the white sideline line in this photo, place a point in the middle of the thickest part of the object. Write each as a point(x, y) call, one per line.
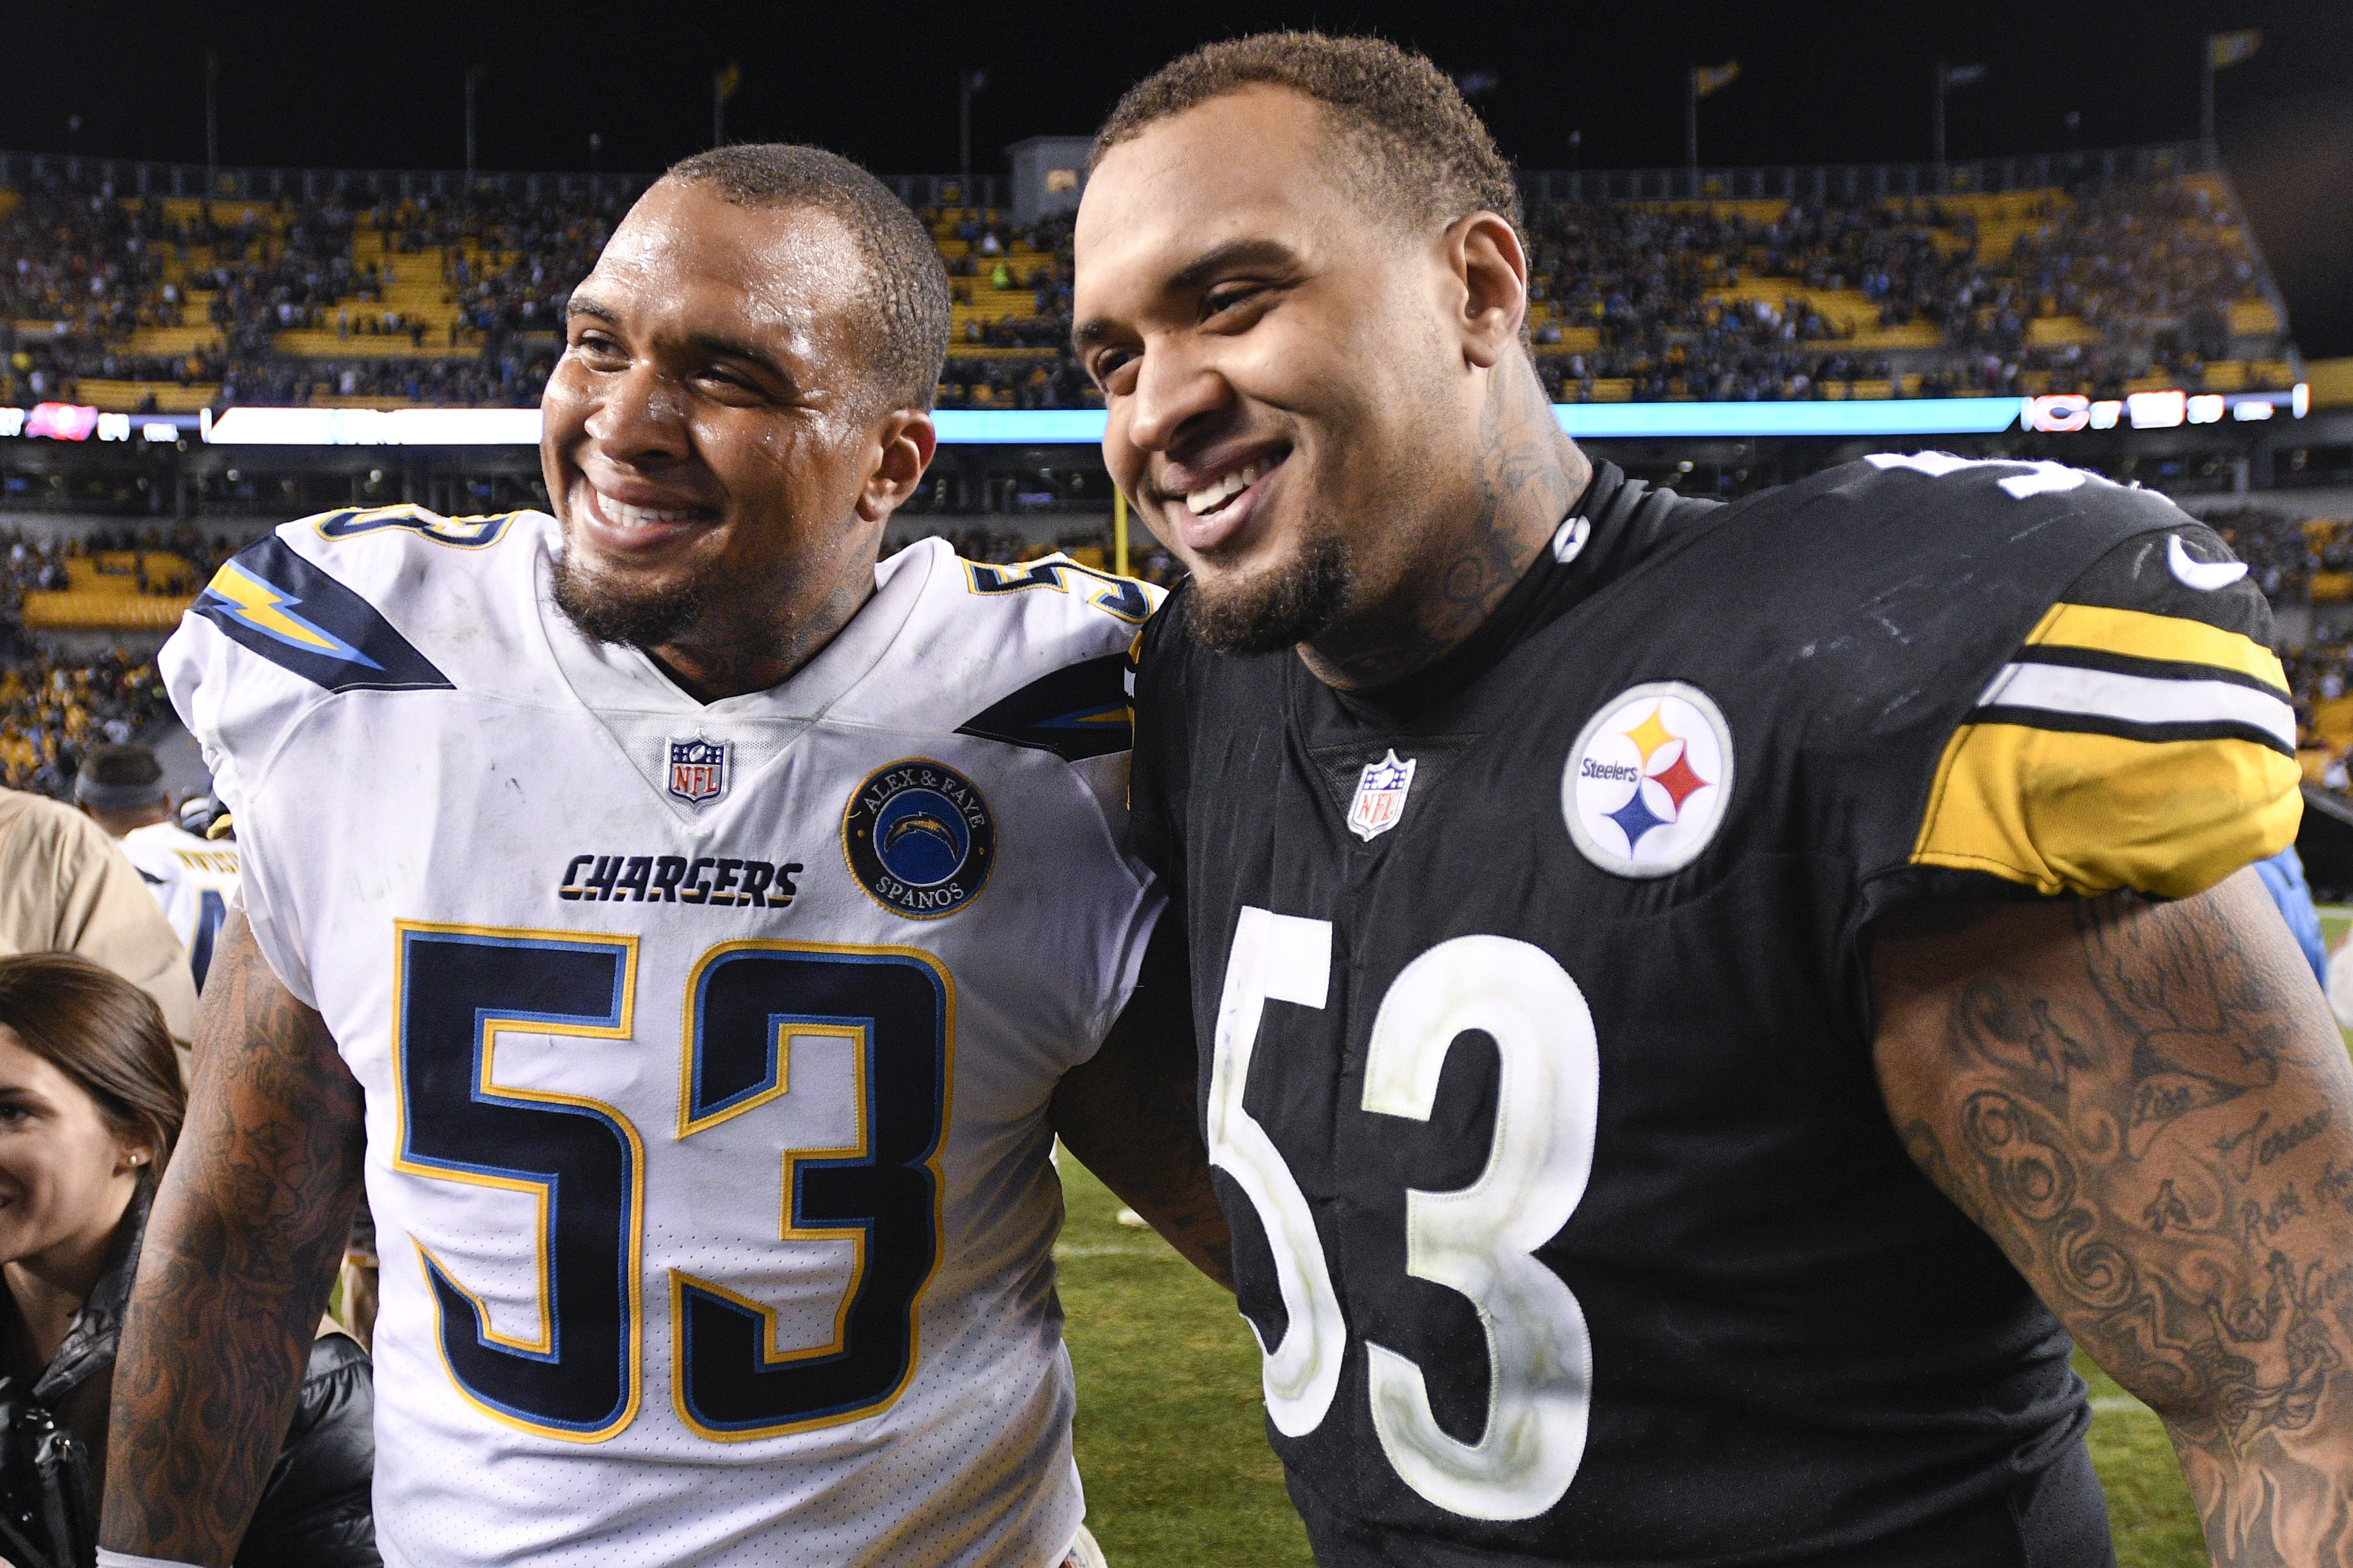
point(2108, 1403)
point(1114, 1249)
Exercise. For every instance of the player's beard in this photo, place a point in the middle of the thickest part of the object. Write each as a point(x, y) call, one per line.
point(1285, 605)
point(607, 614)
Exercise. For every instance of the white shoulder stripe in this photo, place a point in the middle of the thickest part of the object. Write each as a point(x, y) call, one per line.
point(2138, 699)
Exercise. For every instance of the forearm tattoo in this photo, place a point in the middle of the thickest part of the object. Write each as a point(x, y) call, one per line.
point(240, 1257)
point(2151, 1115)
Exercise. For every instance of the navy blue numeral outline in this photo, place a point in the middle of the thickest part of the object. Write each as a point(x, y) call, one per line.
point(212, 913)
point(723, 1345)
point(1125, 598)
point(457, 533)
point(522, 1382)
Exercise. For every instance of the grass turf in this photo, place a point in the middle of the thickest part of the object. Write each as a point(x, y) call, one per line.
point(1172, 1437)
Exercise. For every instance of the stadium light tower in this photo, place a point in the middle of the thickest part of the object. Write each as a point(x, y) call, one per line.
point(1698, 82)
point(2223, 51)
point(473, 79)
point(967, 84)
point(1948, 79)
point(723, 83)
point(212, 122)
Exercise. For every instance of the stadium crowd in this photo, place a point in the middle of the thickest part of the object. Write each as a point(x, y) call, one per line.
point(53, 707)
point(2299, 563)
point(1662, 302)
point(1631, 296)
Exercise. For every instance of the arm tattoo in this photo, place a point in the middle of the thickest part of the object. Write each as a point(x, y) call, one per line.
point(1129, 1114)
point(2152, 1114)
point(240, 1253)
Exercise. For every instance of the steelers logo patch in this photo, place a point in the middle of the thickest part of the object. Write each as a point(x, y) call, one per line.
point(1648, 780)
point(920, 839)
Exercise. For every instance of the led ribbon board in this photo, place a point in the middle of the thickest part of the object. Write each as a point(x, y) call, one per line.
point(1084, 427)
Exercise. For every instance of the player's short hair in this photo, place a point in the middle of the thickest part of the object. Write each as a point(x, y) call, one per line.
point(120, 778)
point(1428, 157)
point(107, 1036)
point(907, 287)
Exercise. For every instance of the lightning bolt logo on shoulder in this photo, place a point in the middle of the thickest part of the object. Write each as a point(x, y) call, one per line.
point(271, 601)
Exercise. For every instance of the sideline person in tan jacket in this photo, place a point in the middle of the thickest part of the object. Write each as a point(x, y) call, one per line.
point(66, 887)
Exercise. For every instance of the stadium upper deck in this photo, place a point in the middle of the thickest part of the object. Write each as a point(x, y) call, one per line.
point(2100, 273)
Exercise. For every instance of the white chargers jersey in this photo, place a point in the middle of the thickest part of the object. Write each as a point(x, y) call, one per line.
point(706, 1047)
point(194, 878)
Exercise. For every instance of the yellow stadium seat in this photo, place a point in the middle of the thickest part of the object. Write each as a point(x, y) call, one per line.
point(2253, 319)
point(108, 612)
point(2058, 331)
point(2332, 382)
point(130, 396)
point(175, 342)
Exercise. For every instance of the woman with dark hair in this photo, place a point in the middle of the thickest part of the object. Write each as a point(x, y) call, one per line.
point(91, 1105)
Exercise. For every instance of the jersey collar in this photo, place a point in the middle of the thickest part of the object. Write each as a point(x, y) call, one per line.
point(614, 677)
point(1549, 588)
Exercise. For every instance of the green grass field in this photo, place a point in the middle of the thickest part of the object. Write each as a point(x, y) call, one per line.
point(1171, 1435)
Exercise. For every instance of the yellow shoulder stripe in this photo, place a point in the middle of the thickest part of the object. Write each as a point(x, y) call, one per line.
point(2140, 634)
point(2079, 812)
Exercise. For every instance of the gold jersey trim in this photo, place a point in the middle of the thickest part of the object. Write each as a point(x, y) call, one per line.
point(2067, 804)
point(2138, 633)
point(2080, 811)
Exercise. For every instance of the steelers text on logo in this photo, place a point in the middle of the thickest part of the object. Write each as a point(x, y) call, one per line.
point(1648, 780)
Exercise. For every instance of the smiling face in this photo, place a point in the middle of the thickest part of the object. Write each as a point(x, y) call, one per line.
point(1290, 407)
point(713, 445)
point(66, 1177)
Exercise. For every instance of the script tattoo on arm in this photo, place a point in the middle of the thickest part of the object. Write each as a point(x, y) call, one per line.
point(2149, 1109)
point(240, 1253)
point(1130, 1112)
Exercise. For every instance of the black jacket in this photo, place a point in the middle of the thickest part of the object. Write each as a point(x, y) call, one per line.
point(314, 1511)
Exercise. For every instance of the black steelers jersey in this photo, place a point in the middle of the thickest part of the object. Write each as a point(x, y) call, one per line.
point(1537, 1073)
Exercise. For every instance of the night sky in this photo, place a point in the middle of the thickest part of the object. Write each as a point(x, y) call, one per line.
point(380, 86)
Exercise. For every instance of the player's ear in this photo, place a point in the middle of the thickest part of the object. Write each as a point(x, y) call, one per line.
point(903, 450)
point(1484, 253)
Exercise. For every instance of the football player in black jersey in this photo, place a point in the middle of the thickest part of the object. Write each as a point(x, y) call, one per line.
point(1699, 1002)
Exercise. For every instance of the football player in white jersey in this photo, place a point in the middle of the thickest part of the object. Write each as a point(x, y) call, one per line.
point(122, 788)
point(695, 933)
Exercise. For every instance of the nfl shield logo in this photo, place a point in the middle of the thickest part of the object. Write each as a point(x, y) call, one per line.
point(698, 769)
point(1380, 796)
